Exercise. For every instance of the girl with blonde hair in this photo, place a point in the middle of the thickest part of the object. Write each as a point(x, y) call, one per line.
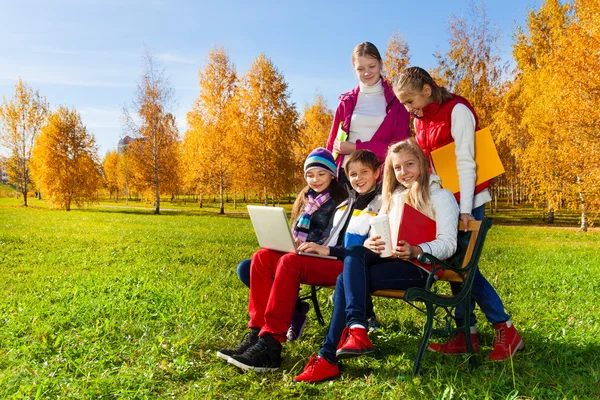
point(406, 180)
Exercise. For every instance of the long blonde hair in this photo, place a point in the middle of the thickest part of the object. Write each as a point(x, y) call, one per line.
point(418, 196)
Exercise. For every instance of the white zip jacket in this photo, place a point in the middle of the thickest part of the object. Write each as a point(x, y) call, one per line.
point(446, 214)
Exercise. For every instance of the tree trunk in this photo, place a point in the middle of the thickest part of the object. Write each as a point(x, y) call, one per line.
point(25, 184)
point(156, 188)
point(584, 226)
point(550, 219)
point(512, 194)
point(234, 199)
point(200, 201)
point(496, 202)
point(222, 203)
point(265, 195)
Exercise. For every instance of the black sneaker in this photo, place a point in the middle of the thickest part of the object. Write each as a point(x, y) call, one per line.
point(250, 340)
point(265, 355)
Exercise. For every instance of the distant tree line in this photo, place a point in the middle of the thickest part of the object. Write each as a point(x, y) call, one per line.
point(246, 136)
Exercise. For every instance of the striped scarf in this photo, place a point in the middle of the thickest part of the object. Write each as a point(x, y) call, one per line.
point(302, 225)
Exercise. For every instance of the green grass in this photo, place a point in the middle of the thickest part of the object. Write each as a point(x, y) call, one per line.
point(121, 303)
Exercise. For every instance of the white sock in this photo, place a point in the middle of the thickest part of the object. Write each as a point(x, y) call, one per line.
point(357, 326)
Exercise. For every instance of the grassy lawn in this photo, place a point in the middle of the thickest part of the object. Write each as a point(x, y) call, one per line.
point(111, 302)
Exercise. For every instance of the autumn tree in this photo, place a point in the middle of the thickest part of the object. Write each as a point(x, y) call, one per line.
point(124, 171)
point(154, 154)
point(20, 121)
point(529, 120)
point(314, 127)
point(568, 77)
point(111, 172)
point(209, 145)
point(65, 160)
point(267, 129)
point(396, 57)
point(472, 68)
point(578, 63)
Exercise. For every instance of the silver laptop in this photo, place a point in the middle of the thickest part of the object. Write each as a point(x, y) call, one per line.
point(273, 231)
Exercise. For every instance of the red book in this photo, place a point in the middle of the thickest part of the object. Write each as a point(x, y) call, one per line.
point(416, 228)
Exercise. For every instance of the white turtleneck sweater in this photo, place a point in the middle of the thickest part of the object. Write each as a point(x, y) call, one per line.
point(368, 114)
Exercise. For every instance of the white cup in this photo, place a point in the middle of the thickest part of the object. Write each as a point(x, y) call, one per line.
point(380, 226)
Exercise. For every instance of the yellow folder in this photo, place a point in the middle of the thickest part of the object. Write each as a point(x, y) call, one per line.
point(487, 160)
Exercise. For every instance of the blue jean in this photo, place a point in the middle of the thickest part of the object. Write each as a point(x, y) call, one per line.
point(482, 293)
point(364, 272)
point(243, 272)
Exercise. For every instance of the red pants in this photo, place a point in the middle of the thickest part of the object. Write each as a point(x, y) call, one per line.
point(275, 279)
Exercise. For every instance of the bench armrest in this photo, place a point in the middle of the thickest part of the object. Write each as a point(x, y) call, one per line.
point(437, 264)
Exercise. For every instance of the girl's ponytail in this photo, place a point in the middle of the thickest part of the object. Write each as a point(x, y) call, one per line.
point(413, 80)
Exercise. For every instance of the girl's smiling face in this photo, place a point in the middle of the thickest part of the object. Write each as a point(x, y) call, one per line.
point(406, 168)
point(415, 101)
point(318, 180)
point(368, 69)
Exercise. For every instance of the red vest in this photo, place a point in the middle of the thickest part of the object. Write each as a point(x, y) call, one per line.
point(433, 130)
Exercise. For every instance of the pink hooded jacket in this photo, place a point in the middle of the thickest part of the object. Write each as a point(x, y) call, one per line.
point(394, 128)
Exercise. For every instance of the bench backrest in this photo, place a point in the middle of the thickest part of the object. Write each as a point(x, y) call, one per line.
point(469, 246)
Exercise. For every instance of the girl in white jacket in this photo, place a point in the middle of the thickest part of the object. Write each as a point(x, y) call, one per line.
point(406, 180)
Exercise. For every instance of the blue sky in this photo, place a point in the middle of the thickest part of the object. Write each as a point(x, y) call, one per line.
point(87, 54)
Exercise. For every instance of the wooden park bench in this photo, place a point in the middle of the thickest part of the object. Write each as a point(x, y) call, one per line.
point(439, 307)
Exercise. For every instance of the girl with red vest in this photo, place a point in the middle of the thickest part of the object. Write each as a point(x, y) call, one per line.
point(441, 118)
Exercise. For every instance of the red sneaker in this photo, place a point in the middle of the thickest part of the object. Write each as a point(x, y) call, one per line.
point(456, 345)
point(354, 342)
point(507, 341)
point(318, 370)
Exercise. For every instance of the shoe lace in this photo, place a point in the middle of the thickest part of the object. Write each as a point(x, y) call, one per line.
point(257, 349)
point(312, 363)
point(345, 334)
point(248, 340)
point(500, 336)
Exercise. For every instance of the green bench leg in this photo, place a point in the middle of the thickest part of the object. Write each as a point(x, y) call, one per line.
point(315, 301)
point(425, 340)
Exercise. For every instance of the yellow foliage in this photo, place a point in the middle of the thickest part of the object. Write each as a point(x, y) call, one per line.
point(471, 67)
point(154, 154)
point(111, 172)
point(209, 148)
point(64, 160)
point(266, 130)
point(313, 131)
point(549, 115)
point(396, 57)
point(20, 121)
